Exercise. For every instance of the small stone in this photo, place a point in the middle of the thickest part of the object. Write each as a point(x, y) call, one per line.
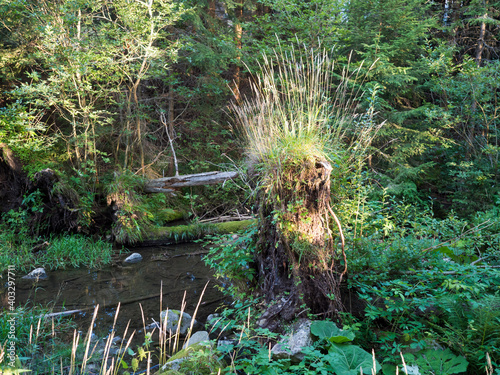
point(173, 365)
point(262, 323)
point(212, 319)
point(113, 352)
point(133, 258)
point(116, 340)
point(197, 338)
point(36, 274)
point(154, 325)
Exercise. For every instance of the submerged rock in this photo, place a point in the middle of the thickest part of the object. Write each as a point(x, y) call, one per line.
point(291, 346)
point(173, 318)
point(36, 274)
point(133, 258)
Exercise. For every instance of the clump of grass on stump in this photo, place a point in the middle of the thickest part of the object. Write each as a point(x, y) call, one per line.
point(294, 126)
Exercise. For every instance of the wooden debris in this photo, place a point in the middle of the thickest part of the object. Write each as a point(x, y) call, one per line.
point(172, 184)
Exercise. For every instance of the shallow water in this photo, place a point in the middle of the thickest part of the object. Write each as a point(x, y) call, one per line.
point(176, 269)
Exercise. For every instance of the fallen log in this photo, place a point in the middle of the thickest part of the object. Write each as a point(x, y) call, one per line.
point(63, 313)
point(225, 219)
point(171, 184)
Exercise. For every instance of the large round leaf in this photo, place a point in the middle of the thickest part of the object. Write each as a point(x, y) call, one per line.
point(350, 360)
point(324, 329)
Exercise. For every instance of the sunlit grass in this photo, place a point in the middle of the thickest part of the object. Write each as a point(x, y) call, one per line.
point(59, 252)
point(300, 110)
point(77, 251)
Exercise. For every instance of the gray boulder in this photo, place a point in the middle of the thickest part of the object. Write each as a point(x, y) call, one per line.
point(200, 337)
point(213, 319)
point(291, 346)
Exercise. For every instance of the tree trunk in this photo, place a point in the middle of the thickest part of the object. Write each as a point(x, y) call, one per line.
point(238, 34)
point(297, 259)
point(169, 184)
point(211, 9)
point(480, 42)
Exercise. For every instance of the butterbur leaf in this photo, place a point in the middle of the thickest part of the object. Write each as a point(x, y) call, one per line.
point(324, 329)
point(442, 362)
point(345, 336)
point(350, 360)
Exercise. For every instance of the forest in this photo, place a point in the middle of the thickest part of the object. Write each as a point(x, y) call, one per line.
point(361, 144)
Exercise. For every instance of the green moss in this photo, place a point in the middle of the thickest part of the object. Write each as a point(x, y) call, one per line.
point(188, 351)
point(182, 233)
point(198, 359)
point(233, 226)
point(167, 215)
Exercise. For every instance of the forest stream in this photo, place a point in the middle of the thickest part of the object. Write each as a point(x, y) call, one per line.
point(175, 269)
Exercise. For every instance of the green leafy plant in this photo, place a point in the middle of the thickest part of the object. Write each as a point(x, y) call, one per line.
point(343, 357)
point(232, 259)
point(437, 362)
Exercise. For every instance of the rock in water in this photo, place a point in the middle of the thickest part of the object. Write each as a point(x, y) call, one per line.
point(36, 274)
point(173, 318)
point(133, 258)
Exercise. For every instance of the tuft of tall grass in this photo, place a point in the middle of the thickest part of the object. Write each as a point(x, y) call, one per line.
point(61, 252)
point(300, 109)
point(37, 338)
point(77, 251)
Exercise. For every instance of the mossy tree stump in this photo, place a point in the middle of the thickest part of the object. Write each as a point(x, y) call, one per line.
point(297, 257)
point(297, 120)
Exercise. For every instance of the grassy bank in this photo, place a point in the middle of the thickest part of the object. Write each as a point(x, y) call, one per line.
point(25, 253)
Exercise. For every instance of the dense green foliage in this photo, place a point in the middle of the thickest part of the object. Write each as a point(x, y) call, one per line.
point(108, 94)
point(102, 85)
point(38, 338)
point(429, 288)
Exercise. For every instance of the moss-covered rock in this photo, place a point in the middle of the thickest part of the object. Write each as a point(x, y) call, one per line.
point(168, 215)
point(184, 233)
point(195, 359)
